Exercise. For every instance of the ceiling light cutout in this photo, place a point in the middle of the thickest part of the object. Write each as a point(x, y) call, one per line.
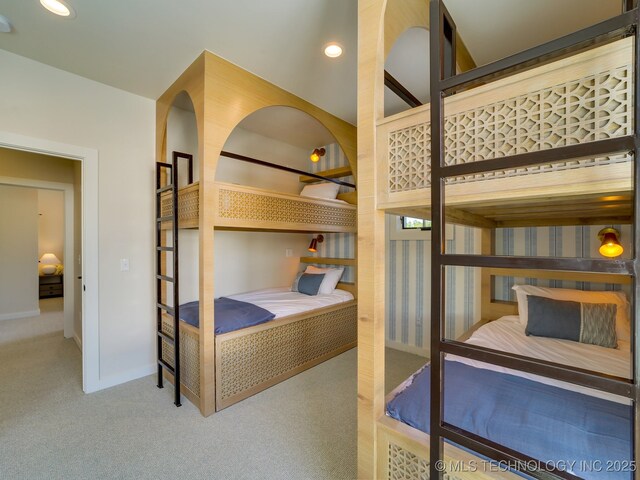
point(333, 50)
point(58, 7)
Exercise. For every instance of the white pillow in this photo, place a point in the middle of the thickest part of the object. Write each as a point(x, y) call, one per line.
point(330, 280)
point(321, 190)
point(623, 322)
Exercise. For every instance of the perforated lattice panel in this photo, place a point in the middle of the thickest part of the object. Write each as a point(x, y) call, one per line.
point(592, 108)
point(409, 154)
point(189, 356)
point(188, 205)
point(404, 465)
point(251, 360)
point(240, 205)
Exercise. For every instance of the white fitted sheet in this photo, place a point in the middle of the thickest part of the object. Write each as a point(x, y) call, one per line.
point(283, 302)
point(507, 334)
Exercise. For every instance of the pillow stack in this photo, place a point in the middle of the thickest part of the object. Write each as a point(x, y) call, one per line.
point(326, 278)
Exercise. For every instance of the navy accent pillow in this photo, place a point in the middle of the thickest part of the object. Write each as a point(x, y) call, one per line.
point(309, 284)
point(593, 323)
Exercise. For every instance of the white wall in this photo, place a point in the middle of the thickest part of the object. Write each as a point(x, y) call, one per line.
point(51, 223)
point(18, 252)
point(43, 102)
point(243, 260)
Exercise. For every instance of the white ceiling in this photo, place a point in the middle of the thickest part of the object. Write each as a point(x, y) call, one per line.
point(142, 46)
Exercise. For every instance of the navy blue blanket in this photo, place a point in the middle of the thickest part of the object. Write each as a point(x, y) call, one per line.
point(545, 422)
point(230, 315)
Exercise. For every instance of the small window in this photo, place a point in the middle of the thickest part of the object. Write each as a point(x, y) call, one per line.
point(410, 223)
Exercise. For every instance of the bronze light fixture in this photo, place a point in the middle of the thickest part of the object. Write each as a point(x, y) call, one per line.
point(313, 247)
point(610, 246)
point(317, 154)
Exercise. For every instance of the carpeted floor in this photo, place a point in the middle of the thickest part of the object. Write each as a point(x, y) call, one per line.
point(303, 428)
point(50, 320)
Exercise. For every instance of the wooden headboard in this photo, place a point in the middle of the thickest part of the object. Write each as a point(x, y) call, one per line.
point(492, 308)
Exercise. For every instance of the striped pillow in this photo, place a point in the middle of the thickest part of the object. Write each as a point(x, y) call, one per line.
point(593, 323)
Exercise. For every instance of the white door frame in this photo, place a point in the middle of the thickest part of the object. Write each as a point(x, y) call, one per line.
point(69, 254)
point(90, 250)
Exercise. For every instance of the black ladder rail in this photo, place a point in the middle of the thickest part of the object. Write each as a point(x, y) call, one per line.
point(161, 307)
point(444, 82)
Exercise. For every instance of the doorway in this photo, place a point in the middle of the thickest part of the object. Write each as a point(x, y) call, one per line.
point(81, 293)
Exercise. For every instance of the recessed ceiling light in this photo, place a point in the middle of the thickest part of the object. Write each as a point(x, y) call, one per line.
point(333, 50)
point(58, 7)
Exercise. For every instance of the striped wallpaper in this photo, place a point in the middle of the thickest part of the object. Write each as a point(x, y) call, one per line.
point(337, 245)
point(408, 287)
point(408, 295)
point(578, 241)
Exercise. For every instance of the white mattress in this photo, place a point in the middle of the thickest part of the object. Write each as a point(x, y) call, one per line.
point(507, 334)
point(283, 302)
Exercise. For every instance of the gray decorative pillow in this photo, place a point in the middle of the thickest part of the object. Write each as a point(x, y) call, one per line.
point(593, 323)
point(307, 283)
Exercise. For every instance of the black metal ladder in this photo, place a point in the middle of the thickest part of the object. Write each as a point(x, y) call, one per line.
point(444, 81)
point(162, 278)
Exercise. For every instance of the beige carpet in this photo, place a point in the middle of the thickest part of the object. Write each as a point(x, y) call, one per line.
point(303, 428)
point(50, 320)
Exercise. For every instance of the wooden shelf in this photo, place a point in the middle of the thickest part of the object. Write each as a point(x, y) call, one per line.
point(329, 261)
point(333, 173)
point(349, 197)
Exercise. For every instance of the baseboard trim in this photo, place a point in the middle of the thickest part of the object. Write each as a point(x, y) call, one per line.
point(423, 352)
point(114, 380)
point(78, 341)
point(11, 316)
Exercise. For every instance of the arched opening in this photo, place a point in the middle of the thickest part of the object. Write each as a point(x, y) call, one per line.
point(407, 64)
point(283, 137)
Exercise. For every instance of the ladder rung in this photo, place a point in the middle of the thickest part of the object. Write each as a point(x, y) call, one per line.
point(167, 308)
point(166, 365)
point(168, 218)
point(166, 188)
point(164, 249)
point(165, 278)
point(168, 338)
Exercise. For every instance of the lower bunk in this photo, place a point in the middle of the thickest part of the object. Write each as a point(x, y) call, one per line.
point(251, 359)
point(581, 432)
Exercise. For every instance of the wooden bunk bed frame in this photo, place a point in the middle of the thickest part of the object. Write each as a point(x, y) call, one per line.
point(397, 175)
point(217, 371)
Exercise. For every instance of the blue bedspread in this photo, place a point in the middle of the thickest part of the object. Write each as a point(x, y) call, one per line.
point(545, 422)
point(230, 315)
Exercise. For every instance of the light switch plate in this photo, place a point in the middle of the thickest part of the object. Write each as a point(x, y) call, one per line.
point(288, 252)
point(124, 264)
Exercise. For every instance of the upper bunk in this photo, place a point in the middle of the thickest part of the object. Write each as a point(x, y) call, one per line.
point(583, 98)
point(241, 207)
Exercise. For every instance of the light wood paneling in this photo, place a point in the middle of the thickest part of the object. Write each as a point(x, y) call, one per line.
point(332, 173)
point(349, 197)
point(223, 94)
point(371, 235)
point(329, 261)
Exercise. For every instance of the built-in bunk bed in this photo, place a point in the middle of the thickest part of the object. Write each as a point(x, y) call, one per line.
point(219, 370)
point(502, 394)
